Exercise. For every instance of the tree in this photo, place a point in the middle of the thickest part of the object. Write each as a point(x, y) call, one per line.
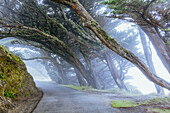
point(152, 18)
point(127, 39)
point(49, 26)
point(148, 57)
point(64, 51)
point(90, 23)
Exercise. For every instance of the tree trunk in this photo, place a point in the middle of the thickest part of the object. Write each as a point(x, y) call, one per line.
point(80, 78)
point(61, 72)
point(114, 72)
point(162, 50)
point(94, 82)
point(148, 56)
point(78, 65)
point(110, 42)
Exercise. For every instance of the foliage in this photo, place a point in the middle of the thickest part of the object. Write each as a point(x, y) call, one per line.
point(168, 29)
point(123, 6)
point(167, 43)
point(2, 76)
point(9, 94)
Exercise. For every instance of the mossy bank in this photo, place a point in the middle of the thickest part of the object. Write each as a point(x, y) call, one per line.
point(15, 82)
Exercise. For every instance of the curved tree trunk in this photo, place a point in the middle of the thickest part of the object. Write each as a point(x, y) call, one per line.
point(114, 72)
point(111, 43)
point(61, 72)
point(148, 56)
point(78, 65)
point(53, 44)
point(94, 82)
point(162, 50)
point(80, 78)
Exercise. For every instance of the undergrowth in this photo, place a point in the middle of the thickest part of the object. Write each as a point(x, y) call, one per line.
point(127, 103)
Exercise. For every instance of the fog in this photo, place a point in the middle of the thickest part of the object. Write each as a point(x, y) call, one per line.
point(104, 69)
point(37, 68)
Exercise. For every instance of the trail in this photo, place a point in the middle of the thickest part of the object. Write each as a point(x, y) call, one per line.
point(58, 99)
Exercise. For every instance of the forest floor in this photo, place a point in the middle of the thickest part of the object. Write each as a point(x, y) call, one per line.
point(59, 99)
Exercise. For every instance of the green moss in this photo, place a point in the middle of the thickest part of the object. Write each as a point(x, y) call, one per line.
point(14, 78)
point(9, 94)
point(123, 103)
point(157, 110)
point(107, 37)
point(93, 23)
point(2, 76)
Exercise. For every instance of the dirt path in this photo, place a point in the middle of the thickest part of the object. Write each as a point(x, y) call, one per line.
point(58, 99)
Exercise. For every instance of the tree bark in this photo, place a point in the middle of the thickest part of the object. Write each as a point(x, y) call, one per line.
point(114, 72)
point(94, 82)
point(111, 43)
point(81, 81)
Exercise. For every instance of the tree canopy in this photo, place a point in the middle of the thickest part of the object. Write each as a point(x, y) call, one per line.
point(63, 31)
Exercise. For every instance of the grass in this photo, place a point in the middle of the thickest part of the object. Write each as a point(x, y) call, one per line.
point(115, 90)
point(157, 100)
point(158, 110)
point(126, 103)
point(79, 88)
point(123, 103)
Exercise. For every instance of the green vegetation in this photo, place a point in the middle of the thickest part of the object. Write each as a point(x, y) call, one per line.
point(158, 110)
point(154, 101)
point(115, 90)
point(8, 94)
point(157, 100)
point(167, 43)
point(123, 103)
point(2, 76)
point(14, 78)
point(79, 88)
point(168, 29)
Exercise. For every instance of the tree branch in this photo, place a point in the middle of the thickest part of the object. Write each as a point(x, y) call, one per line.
point(35, 58)
point(110, 42)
